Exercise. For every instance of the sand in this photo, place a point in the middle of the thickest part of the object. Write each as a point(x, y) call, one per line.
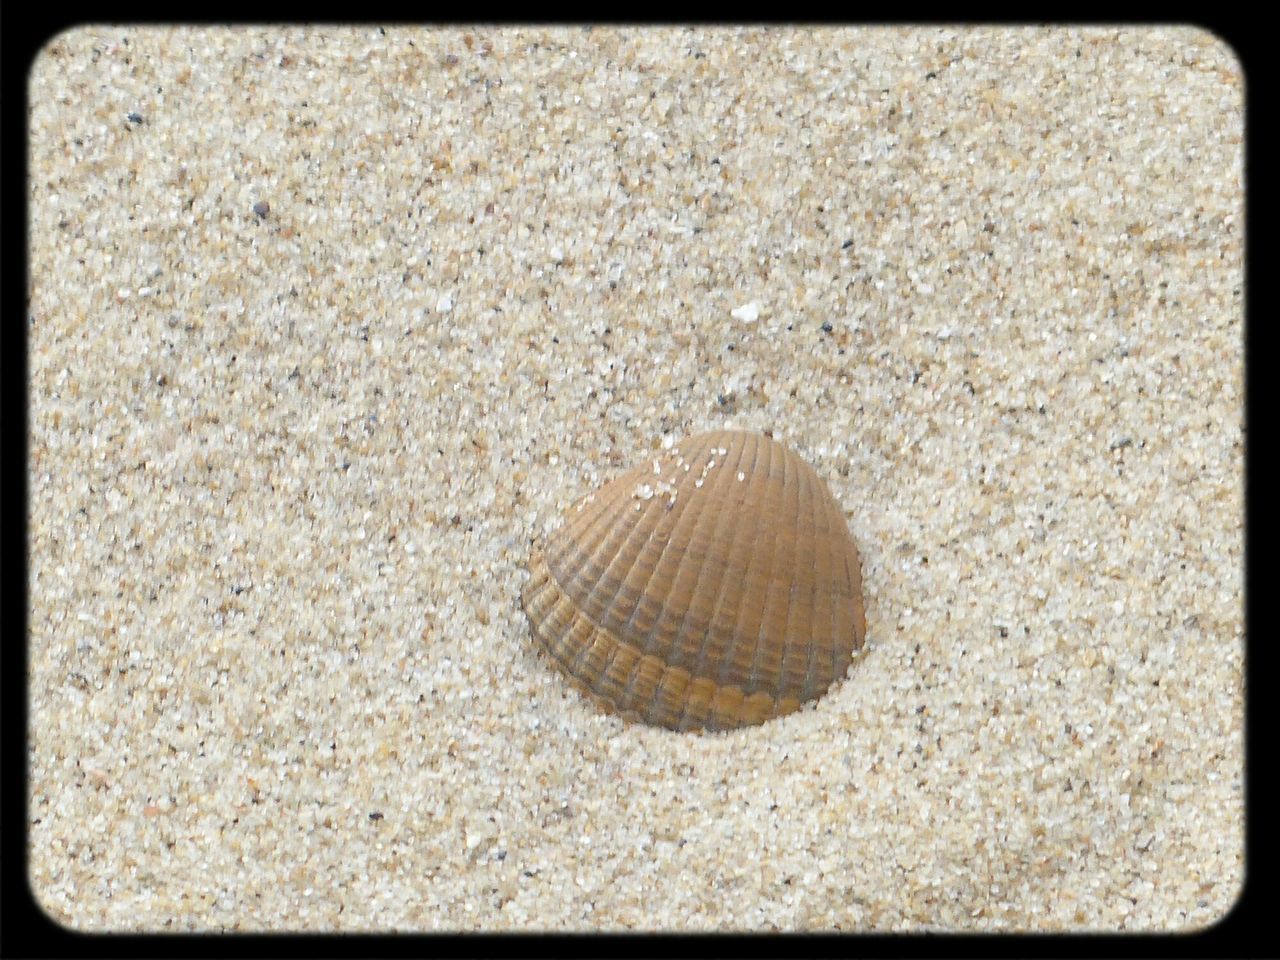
point(328, 326)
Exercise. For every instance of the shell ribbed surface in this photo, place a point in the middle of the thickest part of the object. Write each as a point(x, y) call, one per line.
point(713, 586)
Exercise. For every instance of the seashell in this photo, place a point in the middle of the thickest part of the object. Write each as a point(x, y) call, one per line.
point(714, 586)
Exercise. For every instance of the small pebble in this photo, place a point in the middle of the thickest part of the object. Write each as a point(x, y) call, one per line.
point(747, 313)
point(262, 208)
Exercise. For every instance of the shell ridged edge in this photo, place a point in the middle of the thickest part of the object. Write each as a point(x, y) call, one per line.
point(627, 678)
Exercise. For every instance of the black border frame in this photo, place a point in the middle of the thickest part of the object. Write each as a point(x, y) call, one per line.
point(25, 930)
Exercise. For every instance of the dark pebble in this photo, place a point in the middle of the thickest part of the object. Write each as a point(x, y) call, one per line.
point(827, 328)
point(375, 815)
point(262, 208)
point(134, 118)
point(846, 245)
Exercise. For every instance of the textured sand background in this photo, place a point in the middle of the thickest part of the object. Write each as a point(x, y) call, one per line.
point(285, 470)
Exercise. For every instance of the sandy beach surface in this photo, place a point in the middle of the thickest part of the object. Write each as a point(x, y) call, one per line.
point(329, 325)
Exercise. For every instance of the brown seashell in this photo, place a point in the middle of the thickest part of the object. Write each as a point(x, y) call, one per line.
point(714, 586)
